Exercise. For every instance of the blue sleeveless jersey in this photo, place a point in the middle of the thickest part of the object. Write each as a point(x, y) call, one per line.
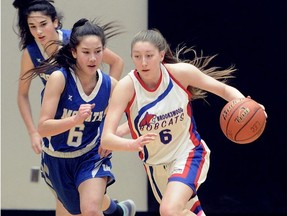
point(84, 137)
point(37, 57)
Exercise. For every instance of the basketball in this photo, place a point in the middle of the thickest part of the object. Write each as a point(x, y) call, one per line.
point(242, 120)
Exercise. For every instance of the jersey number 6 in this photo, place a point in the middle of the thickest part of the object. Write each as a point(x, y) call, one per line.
point(165, 136)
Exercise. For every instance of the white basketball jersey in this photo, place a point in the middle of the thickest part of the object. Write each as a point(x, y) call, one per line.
point(166, 111)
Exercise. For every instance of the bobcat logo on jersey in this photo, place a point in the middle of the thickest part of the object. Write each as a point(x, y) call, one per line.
point(155, 122)
point(147, 120)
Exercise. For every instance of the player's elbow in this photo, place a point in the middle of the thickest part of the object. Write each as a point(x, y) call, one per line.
point(41, 129)
point(105, 141)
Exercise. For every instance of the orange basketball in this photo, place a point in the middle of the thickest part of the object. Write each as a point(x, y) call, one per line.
point(242, 120)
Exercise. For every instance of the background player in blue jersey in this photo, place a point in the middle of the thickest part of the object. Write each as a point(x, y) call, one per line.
point(156, 98)
point(38, 25)
point(72, 113)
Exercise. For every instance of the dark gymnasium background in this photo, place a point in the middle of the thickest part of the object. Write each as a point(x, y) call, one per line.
point(243, 179)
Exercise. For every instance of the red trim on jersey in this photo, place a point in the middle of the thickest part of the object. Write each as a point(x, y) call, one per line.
point(178, 83)
point(200, 165)
point(196, 204)
point(193, 138)
point(136, 74)
point(130, 123)
point(187, 167)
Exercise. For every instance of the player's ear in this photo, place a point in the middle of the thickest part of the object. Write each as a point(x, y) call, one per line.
point(74, 53)
point(162, 55)
point(56, 23)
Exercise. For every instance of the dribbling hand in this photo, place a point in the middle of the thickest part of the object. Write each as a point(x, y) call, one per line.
point(143, 140)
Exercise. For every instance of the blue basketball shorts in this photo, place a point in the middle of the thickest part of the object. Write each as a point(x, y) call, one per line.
point(64, 175)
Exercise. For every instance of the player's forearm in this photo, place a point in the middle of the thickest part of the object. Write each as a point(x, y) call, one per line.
point(26, 114)
point(123, 129)
point(232, 93)
point(53, 127)
point(116, 68)
point(113, 142)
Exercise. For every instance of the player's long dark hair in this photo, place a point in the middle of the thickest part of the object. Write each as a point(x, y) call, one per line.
point(201, 62)
point(25, 7)
point(63, 57)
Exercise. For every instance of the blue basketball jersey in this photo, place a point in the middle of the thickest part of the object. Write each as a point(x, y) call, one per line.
point(84, 137)
point(37, 54)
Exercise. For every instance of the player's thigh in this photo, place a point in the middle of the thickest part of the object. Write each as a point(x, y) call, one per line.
point(61, 210)
point(92, 192)
point(177, 194)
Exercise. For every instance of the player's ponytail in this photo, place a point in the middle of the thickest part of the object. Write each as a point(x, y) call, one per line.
point(200, 61)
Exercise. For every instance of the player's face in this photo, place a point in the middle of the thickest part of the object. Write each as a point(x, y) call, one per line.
point(146, 58)
point(89, 54)
point(42, 28)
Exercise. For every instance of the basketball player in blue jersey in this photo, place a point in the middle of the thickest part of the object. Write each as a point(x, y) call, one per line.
point(72, 113)
point(156, 98)
point(38, 25)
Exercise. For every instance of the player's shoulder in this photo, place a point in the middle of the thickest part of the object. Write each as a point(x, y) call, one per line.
point(181, 66)
point(26, 60)
point(125, 86)
point(25, 53)
point(56, 81)
point(126, 81)
point(58, 74)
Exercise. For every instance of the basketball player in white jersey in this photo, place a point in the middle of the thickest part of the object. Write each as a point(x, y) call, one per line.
point(156, 98)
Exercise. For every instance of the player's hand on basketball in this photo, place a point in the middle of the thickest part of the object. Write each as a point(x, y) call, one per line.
point(36, 142)
point(143, 140)
point(103, 152)
point(261, 105)
point(83, 113)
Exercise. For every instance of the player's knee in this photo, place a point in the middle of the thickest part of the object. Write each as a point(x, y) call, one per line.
point(90, 210)
point(169, 210)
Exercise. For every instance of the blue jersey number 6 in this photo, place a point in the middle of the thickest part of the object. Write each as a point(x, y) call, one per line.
point(165, 136)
